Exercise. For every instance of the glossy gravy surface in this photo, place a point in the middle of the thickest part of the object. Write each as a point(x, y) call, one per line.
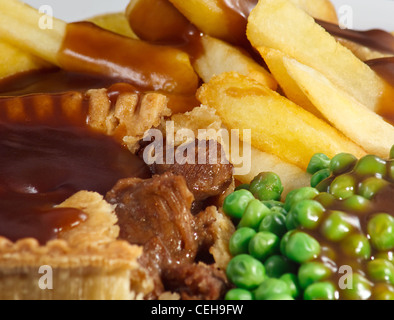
point(45, 161)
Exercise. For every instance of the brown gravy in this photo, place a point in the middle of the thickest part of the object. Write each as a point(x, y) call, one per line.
point(52, 81)
point(384, 67)
point(237, 13)
point(45, 161)
point(332, 253)
point(376, 39)
point(87, 47)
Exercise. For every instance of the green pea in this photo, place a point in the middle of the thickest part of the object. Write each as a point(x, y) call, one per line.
point(324, 186)
point(381, 270)
point(235, 203)
point(390, 169)
point(326, 199)
point(301, 247)
point(357, 246)
point(297, 195)
point(369, 187)
point(293, 284)
point(280, 210)
point(239, 294)
point(244, 186)
point(381, 231)
point(329, 252)
point(336, 226)
point(370, 165)
point(239, 241)
point(383, 291)
point(320, 291)
point(245, 272)
point(342, 162)
point(273, 203)
point(318, 162)
point(275, 223)
point(312, 272)
point(284, 241)
point(388, 255)
point(267, 186)
point(263, 245)
point(277, 265)
point(308, 213)
point(271, 287)
point(292, 221)
point(356, 203)
point(319, 177)
point(343, 186)
point(254, 213)
point(360, 288)
point(280, 297)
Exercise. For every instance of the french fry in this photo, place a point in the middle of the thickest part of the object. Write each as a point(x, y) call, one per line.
point(281, 25)
point(291, 176)
point(156, 20)
point(214, 18)
point(319, 9)
point(356, 121)
point(203, 117)
point(278, 126)
point(219, 57)
point(115, 22)
point(167, 68)
point(366, 45)
point(362, 52)
point(209, 16)
point(19, 25)
point(214, 56)
point(274, 60)
point(14, 61)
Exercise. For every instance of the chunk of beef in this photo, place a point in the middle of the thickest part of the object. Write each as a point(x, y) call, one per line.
point(155, 214)
point(154, 259)
point(202, 163)
point(157, 207)
point(196, 282)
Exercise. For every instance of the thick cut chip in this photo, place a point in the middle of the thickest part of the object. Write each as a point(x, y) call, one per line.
point(356, 121)
point(160, 21)
point(115, 22)
point(281, 25)
point(362, 52)
point(274, 60)
point(145, 65)
point(276, 124)
point(209, 16)
point(219, 56)
point(252, 160)
point(319, 9)
point(291, 176)
point(14, 60)
point(226, 20)
point(30, 30)
point(156, 21)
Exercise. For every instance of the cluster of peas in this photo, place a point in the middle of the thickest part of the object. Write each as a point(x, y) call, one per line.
point(274, 250)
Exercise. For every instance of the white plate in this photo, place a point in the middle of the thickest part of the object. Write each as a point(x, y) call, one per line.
point(366, 14)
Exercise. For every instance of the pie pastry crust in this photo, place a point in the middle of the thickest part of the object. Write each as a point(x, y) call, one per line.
point(88, 261)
